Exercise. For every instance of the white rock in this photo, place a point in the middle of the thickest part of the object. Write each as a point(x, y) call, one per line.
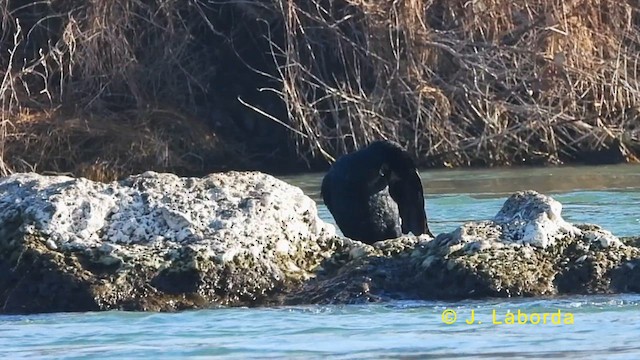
point(526, 218)
point(532, 218)
point(51, 244)
point(283, 247)
point(602, 237)
point(227, 212)
point(358, 251)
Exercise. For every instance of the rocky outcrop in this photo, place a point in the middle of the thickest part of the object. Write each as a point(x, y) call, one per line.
point(526, 250)
point(161, 242)
point(154, 242)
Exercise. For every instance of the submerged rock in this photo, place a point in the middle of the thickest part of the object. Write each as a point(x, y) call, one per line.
point(161, 242)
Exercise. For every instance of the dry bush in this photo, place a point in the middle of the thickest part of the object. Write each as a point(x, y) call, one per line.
point(105, 88)
point(110, 147)
point(120, 66)
point(488, 82)
point(87, 85)
point(123, 53)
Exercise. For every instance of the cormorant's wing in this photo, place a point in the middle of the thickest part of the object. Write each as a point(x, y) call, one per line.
point(406, 190)
point(325, 192)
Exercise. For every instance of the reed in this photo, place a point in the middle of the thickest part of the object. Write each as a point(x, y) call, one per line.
point(487, 82)
point(106, 88)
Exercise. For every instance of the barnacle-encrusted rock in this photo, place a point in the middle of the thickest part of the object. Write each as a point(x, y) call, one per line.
point(154, 241)
point(161, 242)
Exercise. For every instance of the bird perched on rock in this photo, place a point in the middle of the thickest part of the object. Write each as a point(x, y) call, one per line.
point(376, 194)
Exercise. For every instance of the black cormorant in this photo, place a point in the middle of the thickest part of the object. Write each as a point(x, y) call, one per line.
point(375, 194)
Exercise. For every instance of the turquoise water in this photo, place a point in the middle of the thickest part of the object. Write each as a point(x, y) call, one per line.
point(603, 326)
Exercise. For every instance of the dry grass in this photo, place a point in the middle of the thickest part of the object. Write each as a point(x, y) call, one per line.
point(110, 147)
point(106, 88)
point(488, 82)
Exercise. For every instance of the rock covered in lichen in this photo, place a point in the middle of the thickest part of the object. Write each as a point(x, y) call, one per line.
point(154, 241)
point(572, 264)
point(527, 218)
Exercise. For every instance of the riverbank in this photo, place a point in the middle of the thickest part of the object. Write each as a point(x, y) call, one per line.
point(106, 90)
point(111, 147)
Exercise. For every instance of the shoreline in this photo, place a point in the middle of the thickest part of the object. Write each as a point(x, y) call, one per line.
point(293, 169)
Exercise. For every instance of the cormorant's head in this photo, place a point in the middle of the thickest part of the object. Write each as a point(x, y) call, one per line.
point(394, 161)
point(398, 170)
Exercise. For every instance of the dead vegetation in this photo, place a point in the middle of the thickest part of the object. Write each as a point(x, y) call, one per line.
point(106, 88)
point(112, 146)
point(483, 82)
point(103, 89)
